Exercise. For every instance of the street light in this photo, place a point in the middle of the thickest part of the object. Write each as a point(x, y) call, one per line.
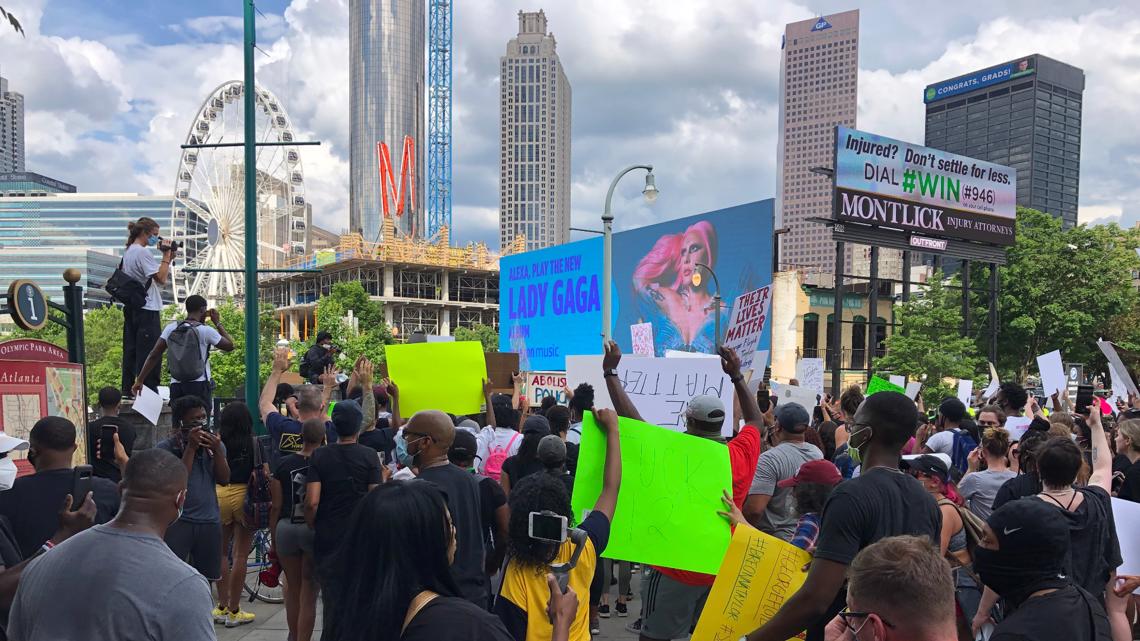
point(650, 192)
point(716, 298)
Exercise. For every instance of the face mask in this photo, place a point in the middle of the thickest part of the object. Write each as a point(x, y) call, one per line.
point(852, 450)
point(402, 455)
point(7, 473)
point(1013, 581)
point(152, 241)
point(328, 346)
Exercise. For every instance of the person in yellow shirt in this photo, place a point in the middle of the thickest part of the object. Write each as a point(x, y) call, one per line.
point(525, 594)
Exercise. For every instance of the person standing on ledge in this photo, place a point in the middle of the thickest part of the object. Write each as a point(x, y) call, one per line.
point(141, 325)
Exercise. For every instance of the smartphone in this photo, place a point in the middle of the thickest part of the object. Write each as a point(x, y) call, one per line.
point(764, 399)
point(547, 526)
point(107, 442)
point(80, 485)
point(1084, 398)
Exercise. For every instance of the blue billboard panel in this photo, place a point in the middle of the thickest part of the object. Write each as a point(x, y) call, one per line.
point(550, 299)
point(980, 79)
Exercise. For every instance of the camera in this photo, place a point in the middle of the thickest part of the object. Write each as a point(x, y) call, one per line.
point(174, 245)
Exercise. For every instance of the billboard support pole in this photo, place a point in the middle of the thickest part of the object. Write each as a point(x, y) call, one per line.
point(873, 305)
point(965, 298)
point(608, 244)
point(836, 338)
point(906, 276)
point(993, 312)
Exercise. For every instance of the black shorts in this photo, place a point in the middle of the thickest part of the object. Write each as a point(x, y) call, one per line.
point(199, 544)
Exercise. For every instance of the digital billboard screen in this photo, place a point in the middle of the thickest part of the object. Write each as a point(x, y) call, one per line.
point(885, 182)
point(984, 78)
point(550, 300)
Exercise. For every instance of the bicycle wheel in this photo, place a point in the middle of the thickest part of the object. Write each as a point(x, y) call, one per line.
point(258, 561)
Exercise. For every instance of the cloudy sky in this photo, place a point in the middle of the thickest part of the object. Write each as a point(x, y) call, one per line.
point(111, 87)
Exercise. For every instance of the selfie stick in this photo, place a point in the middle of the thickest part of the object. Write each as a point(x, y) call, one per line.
point(562, 570)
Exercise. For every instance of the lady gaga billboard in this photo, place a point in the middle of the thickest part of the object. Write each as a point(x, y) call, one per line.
point(550, 300)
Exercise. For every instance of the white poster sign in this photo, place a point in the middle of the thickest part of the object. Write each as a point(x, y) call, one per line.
point(642, 337)
point(898, 380)
point(797, 394)
point(965, 389)
point(1053, 379)
point(543, 384)
point(660, 388)
point(1120, 377)
point(749, 315)
point(809, 372)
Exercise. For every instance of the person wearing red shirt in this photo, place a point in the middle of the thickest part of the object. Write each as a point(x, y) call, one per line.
point(672, 599)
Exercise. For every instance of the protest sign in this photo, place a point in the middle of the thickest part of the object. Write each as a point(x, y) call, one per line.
point(642, 335)
point(1053, 379)
point(995, 382)
point(660, 388)
point(1120, 376)
point(416, 368)
point(759, 362)
point(541, 385)
point(797, 394)
point(1126, 514)
point(669, 497)
point(1017, 426)
point(749, 315)
point(758, 574)
point(876, 385)
point(809, 372)
point(676, 353)
point(912, 390)
point(965, 389)
point(898, 380)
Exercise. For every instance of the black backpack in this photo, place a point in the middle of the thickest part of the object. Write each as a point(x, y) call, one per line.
point(184, 353)
point(126, 290)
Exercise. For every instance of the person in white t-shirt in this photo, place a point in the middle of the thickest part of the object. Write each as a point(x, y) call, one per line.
point(141, 324)
point(195, 323)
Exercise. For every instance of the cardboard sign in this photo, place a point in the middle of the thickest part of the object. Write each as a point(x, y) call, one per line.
point(809, 372)
point(1053, 379)
point(965, 389)
point(438, 376)
point(912, 390)
point(642, 335)
point(749, 315)
point(876, 385)
point(1126, 514)
point(759, 573)
point(898, 380)
point(797, 394)
point(541, 385)
point(1120, 376)
point(501, 367)
point(660, 388)
point(669, 497)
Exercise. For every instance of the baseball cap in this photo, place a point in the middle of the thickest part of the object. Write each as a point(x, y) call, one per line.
point(792, 417)
point(953, 409)
point(11, 443)
point(346, 417)
point(468, 424)
point(706, 408)
point(551, 451)
point(928, 464)
point(380, 393)
point(822, 471)
point(536, 424)
point(464, 446)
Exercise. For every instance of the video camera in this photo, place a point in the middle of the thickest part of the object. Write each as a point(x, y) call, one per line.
point(174, 245)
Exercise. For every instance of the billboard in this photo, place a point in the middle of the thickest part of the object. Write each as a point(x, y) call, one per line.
point(550, 300)
point(980, 79)
point(884, 182)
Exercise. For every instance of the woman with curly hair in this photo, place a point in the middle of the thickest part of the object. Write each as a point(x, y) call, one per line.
point(524, 594)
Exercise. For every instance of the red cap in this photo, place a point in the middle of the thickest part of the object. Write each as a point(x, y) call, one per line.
point(821, 471)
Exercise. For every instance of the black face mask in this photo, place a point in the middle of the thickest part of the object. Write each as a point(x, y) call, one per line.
point(1014, 577)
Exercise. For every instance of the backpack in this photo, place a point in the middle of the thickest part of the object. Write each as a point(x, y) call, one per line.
point(973, 524)
point(494, 466)
point(258, 500)
point(960, 450)
point(184, 355)
point(126, 290)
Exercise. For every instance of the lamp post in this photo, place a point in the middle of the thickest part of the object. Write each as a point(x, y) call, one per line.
point(716, 298)
point(650, 193)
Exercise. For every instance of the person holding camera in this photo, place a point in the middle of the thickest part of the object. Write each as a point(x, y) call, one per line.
point(320, 357)
point(187, 344)
point(141, 323)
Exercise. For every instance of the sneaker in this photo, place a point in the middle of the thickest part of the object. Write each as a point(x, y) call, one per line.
point(622, 610)
point(629, 595)
point(635, 627)
point(239, 618)
point(595, 627)
point(604, 611)
point(220, 614)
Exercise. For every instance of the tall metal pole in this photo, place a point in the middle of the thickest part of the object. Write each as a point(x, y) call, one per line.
point(252, 333)
point(716, 306)
point(836, 338)
point(993, 312)
point(608, 252)
point(965, 266)
point(873, 318)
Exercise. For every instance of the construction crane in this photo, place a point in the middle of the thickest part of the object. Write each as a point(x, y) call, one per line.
point(439, 116)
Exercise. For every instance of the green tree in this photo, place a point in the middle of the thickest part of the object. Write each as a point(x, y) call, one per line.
point(926, 344)
point(1062, 289)
point(366, 336)
point(485, 334)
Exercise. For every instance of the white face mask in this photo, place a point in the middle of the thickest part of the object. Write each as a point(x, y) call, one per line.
point(7, 473)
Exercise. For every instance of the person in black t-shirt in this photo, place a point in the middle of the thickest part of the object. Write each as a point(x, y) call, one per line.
point(1022, 558)
point(109, 464)
point(493, 511)
point(339, 476)
point(1128, 447)
point(380, 434)
point(285, 431)
point(552, 456)
point(394, 569)
point(33, 503)
point(1026, 483)
point(881, 502)
point(526, 462)
point(292, 537)
point(428, 436)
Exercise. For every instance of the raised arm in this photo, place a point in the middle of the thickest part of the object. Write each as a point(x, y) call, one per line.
point(227, 343)
point(622, 405)
point(489, 419)
point(1101, 455)
point(611, 474)
point(749, 408)
point(364, 372)
point(393, 404)
point(280, 364)
point(328, 381)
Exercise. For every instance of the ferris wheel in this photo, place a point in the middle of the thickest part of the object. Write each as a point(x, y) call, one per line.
point(208, 209)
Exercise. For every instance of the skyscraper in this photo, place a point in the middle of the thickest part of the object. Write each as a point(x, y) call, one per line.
point(387, 98)
point(1025, 113)
point(534, 152)
point(11, 129)
point(819, 73)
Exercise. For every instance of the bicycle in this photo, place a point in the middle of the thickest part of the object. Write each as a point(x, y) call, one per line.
point(258, 561)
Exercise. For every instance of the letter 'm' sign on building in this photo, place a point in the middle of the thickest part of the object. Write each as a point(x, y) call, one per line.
point(392, 194)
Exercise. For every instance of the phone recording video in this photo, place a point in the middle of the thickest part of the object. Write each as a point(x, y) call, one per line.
point(80, 485)
point(107, 442)
point(547, 526)
point(1084, 398)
